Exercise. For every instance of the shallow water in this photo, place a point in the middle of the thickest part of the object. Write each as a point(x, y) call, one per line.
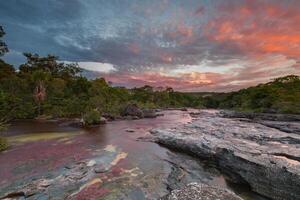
point(139, 170)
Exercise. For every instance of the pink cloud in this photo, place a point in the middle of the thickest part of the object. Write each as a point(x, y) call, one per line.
point(258, 27)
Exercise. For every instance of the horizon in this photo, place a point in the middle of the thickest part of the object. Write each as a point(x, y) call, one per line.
point(191, 46)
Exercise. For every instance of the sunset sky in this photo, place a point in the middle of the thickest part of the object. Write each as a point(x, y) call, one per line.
point(190, 45)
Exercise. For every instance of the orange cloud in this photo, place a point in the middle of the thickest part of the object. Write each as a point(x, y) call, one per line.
point(259, 28)
point(189, 81)
point(182, 34)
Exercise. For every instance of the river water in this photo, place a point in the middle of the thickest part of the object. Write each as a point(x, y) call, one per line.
point(135, 168)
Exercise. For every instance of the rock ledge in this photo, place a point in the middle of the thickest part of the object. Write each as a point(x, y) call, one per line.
point(265, 158)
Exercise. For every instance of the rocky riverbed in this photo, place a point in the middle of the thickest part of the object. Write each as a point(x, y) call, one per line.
point(265, 158)
point(53, 160)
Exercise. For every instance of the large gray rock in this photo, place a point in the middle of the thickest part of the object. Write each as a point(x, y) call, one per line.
point(265, 158)
point(196, 191)
point(132, 110)
point(149, 113)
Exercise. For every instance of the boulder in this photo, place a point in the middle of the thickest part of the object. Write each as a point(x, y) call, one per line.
point(196, 191)
point(149, 113)
point(132, 110)
point(267, 159)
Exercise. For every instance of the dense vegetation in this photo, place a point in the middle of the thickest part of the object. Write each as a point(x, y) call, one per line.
point(281, 95)
point(44, 86)
point(3, 50)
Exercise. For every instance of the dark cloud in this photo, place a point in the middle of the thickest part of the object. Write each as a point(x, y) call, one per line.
point(103, 30)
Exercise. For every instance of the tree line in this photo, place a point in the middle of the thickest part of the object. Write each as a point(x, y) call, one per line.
point(45, 86)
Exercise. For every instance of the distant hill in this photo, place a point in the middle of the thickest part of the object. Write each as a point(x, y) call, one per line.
point(282, 95)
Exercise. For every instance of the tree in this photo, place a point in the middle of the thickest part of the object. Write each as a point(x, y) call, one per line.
point(50, 65)
point(3, 46)
point(40, 79)
point(4, 69)
point(39, 94)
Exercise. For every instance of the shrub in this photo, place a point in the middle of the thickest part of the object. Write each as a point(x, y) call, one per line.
point(92, 117)
point(3, 144)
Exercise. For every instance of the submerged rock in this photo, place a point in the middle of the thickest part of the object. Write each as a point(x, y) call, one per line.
point(196, 191)
point(265, 158)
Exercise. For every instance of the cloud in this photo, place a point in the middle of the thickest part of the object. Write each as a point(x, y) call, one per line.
point(95, 66)
point(195, 45)
point(259, 27)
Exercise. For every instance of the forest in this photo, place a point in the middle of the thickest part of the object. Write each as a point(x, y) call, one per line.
point(281, 95)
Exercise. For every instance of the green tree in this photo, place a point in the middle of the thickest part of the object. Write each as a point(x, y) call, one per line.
point(3, 46)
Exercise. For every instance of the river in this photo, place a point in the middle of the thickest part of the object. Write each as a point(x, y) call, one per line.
point(51, 160)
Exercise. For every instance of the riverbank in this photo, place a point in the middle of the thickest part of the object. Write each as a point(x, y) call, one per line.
point(266, 159)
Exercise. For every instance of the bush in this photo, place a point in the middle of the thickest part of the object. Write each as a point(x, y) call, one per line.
point(92, 117)
point(3, 144)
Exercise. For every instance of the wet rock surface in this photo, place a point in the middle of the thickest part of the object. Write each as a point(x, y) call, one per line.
point(283, 122)
point(68, 181)
point(265, 158)
point(198, 191)
point(261, 116)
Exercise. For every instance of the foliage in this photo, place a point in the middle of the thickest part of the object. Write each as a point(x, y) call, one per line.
point(3, 141)
point(92, 117)
point(44, 86)
point(3, 47)
point(3, 144)
point(280, 95)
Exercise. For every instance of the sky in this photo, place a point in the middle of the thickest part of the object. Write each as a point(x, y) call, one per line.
point(190, 45)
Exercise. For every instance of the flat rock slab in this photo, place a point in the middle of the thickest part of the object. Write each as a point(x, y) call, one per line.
point(195, 191)
point(266, 158)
